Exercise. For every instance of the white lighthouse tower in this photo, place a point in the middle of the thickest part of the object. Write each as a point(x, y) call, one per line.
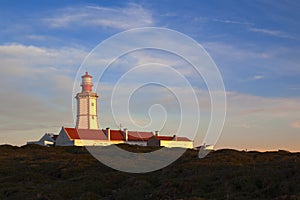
point(87, 111)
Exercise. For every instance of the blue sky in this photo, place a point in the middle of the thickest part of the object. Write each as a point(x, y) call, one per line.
point(255, 45)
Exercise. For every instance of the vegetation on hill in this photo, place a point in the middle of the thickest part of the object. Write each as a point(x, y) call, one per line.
point(36, 172)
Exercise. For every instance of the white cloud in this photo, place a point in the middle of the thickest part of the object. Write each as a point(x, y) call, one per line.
point(158, 57)
point(257, 77)
point(36, 96)
point(29, 61)
point(275, 33)
point(39, 66)
point(131, 16)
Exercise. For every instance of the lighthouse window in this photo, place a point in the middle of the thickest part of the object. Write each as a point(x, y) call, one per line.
point(92, 104)
point(92, 117)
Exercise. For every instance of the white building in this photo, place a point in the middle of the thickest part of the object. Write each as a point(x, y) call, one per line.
point(170, 141)
point(104, 137)
point(47, 140)
point(81, 137)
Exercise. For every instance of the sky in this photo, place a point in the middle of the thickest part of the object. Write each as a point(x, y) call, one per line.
point(254, 44)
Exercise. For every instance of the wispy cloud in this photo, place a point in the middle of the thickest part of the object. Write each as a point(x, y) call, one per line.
point(235, 52)
point(266, 61)
point(226, 21)
point(254, 78)
point(265, 107)
point(248, 25)
point(36, 37)
point(295, 124)
point(131, 16)
point(294, 88)
point(275, 33)
point(257, 77)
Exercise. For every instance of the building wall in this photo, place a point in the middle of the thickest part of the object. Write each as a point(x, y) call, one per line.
point(91, 143)
point(46, 140)
point(83, 106)
point(93, 113)
point(87, 117)
point(182, 144)
point(82, 113)
point(116, 142)
point(63, 139)
point(95, 142)
point(153, 142)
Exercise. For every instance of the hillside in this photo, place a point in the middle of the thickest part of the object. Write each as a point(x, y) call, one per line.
point(35, 172)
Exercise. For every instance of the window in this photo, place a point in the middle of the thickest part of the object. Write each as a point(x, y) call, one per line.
point(92, 104)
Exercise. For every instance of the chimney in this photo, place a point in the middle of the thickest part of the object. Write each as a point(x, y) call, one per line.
point(108, 133)
point(126, 134)
point(156, 133)
point(175, 137)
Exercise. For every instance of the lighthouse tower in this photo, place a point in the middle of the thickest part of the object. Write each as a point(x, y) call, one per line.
point(87, 115)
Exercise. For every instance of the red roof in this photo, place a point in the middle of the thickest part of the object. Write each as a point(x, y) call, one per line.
point(183, 139)
point(139, 136)
point(163, 137)
point(88, 134)
point(86, 75)
point(72, 133)
point(116, 135)
point(85, 134)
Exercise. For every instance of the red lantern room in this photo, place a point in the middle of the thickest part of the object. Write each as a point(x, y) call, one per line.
point(87, 83)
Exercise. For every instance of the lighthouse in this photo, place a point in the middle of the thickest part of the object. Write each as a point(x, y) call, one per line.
point(87, 111)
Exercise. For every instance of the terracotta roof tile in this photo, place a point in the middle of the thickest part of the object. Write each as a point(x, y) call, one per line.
point(88, 134)
point(139, 136)
point(163, 137)
point(116, 135)
point(85, 134)
point(183, 139)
